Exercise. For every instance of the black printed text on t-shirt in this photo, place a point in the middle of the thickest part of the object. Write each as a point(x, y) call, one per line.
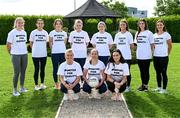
point(78, 40)
point(21, 38)
point(101, 40)
point(158, 41)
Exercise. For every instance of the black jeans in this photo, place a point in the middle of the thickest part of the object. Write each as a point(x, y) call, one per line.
point(104, 59)
point(111, 87)
point(129, 77)
point(76, 88)
point(144, 70)
point(160, 65)
point(57, 59)
point(81, 61)
point(39, 63)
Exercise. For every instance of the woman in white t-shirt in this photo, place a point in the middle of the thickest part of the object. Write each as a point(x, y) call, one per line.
point(103, 42)
point(163, 46)
point(16, 45)
point(57, 43)
point(79, 41)
point(124, 42)
point(70, 73)
point(38, 42)
point(117, 71)
point(94, 68)
point(145, 45)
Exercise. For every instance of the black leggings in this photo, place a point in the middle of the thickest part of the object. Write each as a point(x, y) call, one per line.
point(129, 77)
point(39, 62)
point(160, 65)
point(144, 70)
point(111, 87)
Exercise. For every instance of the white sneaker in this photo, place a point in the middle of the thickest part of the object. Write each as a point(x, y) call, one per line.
point(113, 96)
point(163, 91)
point(75, 97)
point(65, 97)
point(90, 96)
point(97, 96)
point(42, 86)
point(127, 89)
point(15, 93)
point(23, 90)
point(36, 88)
point(157, 89)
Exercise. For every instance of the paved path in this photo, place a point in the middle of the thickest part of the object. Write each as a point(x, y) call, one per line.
point(93, 108)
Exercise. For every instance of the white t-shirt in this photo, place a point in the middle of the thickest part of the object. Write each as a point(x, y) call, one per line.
point(79, 40)
point(58, 41)
point(117, 72)
point(94, 70)
point(70, 72)
point(102, 41)
point(161, 46)
point(144, 41)
point(39, 39)
point(123, 41)
point(18, 42)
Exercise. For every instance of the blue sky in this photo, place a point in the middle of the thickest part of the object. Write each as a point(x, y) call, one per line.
point(60, 7)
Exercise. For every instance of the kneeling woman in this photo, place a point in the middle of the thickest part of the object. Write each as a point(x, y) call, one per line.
point(117, 71)
point(69, 73)
point(94, 68)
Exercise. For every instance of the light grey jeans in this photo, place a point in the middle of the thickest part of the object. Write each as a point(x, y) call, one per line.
point(19, 64)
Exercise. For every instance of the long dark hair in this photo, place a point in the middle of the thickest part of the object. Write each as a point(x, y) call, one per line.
point(138, 28)
point(111, 60)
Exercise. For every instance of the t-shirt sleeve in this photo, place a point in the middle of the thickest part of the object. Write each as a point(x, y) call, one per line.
point(65, 35)
point(135, 38)
point(79, 70)
point(47, 37)
point(93, 39)
point(102, 66)
point(168, 36)
point(61, 70)
point(70, 40)
point(116, 39)
point(108, 69)
point(10, 37)
point(130, 38)
point(51, 34)
point(87, 38)
point(31, 38)
point(126, 70)
point(86, 65)
point(151, 38)
point(110, 39)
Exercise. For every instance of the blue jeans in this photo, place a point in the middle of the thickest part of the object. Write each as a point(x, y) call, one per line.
point(87, 88)
point(104, 59)
point(57, 59)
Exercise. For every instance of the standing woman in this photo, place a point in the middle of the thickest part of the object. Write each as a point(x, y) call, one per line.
point(79, 41)
point(38, 42)
point(16, 45)
point(57, 43)
point(94, 68)
point(145, 45)
point(117, 71)
point(103, 42)
point(124, 42)
point(163, 46)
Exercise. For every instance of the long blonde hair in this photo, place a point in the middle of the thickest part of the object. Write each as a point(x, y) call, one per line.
point(18, 19)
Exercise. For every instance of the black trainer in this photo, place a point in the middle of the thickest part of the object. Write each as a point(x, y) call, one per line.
point(141, 88)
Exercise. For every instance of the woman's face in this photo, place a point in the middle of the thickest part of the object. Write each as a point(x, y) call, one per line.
point(69, 57)
point(40, 24)
point(101, 28)
point(160, 26)
point(78, 26)
point(20, 24)
point(142, 25)
point(116, 57)
point(58, 25)
point(94, 55)
point(122, 26)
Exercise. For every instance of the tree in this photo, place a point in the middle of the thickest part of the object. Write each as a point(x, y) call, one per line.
point(167, 7)
point(118, 7)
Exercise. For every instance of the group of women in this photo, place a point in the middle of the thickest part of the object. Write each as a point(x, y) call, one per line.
point(72, 65)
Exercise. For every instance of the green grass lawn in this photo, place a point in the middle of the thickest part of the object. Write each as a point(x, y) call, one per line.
point(45, 103)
